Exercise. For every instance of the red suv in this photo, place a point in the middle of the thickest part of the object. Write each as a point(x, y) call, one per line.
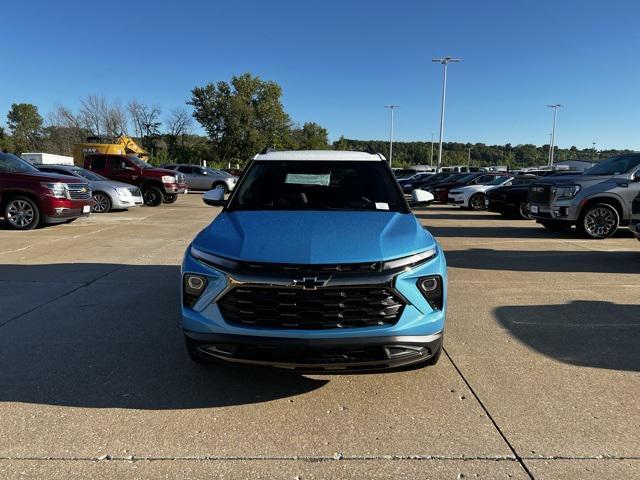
point(29, 198)
point(157, 184)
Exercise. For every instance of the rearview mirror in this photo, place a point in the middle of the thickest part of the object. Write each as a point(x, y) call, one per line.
point(214, 197)
point(420, 198)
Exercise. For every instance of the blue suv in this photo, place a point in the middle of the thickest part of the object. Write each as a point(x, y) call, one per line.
point(315, 263)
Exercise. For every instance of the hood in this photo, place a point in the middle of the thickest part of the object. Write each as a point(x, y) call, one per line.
point(96, 184)
point(510, 188)
point(46, 177)
point(473, 188)
point(158, 172)
point(314, 237)
point(581, 179)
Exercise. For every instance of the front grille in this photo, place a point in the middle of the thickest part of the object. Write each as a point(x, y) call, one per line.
point(79, 191)
point(180, 177)
point(312, 270)
point(540, 194)
point(324, 308)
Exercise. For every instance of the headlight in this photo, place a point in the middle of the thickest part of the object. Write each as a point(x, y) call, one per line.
point(565, 192)
point(168, 179)
point(410, 260)
point(124, 193)
point(213, 260)
point(58, 190)
point(408, 185)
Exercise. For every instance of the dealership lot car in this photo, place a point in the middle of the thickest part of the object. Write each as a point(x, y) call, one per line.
point(29, 198)
point(474, 196)
point(511, 200)
point(204, 178)
point(596, 202)
point(107, 194)
point(315, 263)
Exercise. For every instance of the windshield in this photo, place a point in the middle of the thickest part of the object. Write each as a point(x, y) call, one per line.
point(524, 180)
point(139, 163)
point(307, 185)
point(9, 163)
point(498, 180)
point(615, 166)
point(88, 174)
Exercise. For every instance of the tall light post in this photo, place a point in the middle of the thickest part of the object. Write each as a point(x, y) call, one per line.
point(391, 109)
point(444, 61)
point(594, 149)
point(555, 107)
point(431, 157)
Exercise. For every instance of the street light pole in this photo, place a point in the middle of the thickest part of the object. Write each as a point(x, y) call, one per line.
point(553, 132)
point(391, 109)
point(431, 157)
point(444, 61)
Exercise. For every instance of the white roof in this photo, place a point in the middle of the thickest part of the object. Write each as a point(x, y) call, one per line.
point(320, 155)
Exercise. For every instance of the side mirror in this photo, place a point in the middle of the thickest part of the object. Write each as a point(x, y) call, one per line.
point(214, 197)
point(420, 198)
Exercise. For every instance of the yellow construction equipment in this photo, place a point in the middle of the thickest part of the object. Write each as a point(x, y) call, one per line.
point(123, 145)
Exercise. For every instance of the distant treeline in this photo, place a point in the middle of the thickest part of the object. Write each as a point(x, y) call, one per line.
point(454, 153)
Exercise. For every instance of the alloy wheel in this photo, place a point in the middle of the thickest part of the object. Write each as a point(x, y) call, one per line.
point(525, 211)
point(20, 213)
point(477, 202)
point(102, 203)
point(600, 221)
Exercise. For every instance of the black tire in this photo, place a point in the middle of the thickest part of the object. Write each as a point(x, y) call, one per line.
point(21, 213)
point(523, 211)
point(556, 225)
point(221, 185)
point(103, 203)
point(598, 221)
point(170, 197)
point(476, 202)
point(152, 196)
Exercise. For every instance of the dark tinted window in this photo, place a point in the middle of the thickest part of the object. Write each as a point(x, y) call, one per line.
point(184, 169)
point(306, 185)
point(98, 162)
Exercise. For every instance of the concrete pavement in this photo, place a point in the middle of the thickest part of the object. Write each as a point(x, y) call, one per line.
point(540, 377)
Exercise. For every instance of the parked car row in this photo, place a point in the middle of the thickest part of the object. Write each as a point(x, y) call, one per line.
point(597, 201)
point(45, 194)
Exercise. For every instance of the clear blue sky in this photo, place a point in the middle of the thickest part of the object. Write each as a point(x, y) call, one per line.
point(339, 62)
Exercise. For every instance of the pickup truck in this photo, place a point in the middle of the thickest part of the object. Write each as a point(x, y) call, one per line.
point(596, 202)
point(157, 184)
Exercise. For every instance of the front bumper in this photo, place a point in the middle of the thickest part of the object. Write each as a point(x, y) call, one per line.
point(173, 188)
point(131, 202)
point(56, 210)
point(561, 211)
point(456, 200)
point(322, 354)
point(419, 326)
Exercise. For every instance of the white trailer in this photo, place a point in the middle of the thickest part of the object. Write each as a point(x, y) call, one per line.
point(47, 159)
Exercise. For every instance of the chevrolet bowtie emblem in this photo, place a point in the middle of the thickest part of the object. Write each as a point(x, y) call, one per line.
point(309, 283)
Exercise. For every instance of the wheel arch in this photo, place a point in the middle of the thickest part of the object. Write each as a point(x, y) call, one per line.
point(612, 200)
point(9, 194)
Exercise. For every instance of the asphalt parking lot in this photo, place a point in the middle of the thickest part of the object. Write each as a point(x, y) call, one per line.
point(540, 377)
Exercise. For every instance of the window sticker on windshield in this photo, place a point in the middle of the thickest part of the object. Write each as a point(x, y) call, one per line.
point(308, 179)
point(382, 206)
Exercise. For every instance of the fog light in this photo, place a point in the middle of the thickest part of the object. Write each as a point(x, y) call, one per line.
point(193, 286)
point(432, 291)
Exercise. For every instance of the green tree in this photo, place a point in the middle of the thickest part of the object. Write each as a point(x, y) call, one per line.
point(25, 124)
point(241, 117)
point(310, 137)
point(6, 145)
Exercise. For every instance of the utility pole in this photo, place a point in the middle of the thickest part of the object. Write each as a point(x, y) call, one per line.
point(391, 109)
point(444, 61)
point(594, 149)
point(469, 159)
point(431, 157)
point(555, 107)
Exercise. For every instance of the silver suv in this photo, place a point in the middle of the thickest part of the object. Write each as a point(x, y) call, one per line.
point(204, 178)
point(596, 202)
